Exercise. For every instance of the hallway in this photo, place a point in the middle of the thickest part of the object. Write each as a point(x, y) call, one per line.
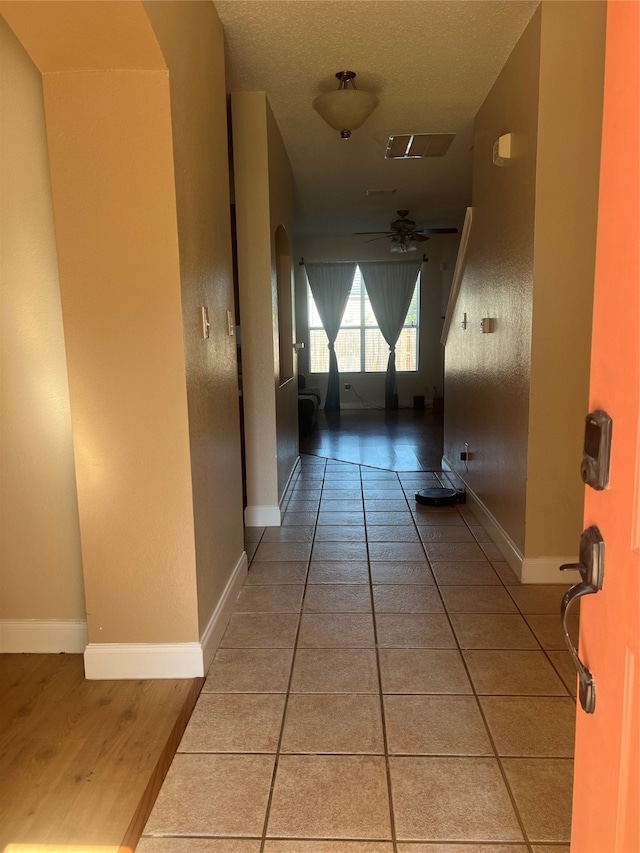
point(385, 684)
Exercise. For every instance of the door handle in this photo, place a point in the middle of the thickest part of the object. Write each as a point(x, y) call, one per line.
point(591, 568)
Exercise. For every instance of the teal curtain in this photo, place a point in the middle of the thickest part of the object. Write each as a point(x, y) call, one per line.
point(330, 285)
point(390, 285)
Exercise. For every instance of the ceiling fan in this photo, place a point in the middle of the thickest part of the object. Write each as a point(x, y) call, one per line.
point(404, 233)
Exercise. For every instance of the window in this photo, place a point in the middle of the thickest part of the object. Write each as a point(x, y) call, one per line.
point(360, 346)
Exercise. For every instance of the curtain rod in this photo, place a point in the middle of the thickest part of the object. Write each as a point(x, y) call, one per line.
point(301, 261)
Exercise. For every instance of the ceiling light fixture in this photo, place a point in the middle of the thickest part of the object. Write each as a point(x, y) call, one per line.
point(346, 108)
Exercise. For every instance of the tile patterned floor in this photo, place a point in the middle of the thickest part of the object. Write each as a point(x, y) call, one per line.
point(385, 685)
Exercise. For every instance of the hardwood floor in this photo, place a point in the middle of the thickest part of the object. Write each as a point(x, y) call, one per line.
point(401, 440)
point(81, 762)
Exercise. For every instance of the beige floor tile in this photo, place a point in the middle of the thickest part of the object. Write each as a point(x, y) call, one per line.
point(505, 573)
point(445, 533)
point(546, 848)
point(492, 551)
point(492, 631)
point(326, 571)
point(207, 795)
point(335, 671)
point(234, 722)
point(398, 504)
point(542, 789)
point(337, 598)
point(303, 504)
point(439, 799)
point(396, 552)
point(292, 572)
point(329, 847)
point(198, 845)
point(270, 598)
point(402, 572)
point(423, 671)
point(249, 671)
point(477, 599)
point(261, 630)
point(341, 518)
point(281, 552)
point(481, 535)
point(374, 519)
point(330, 797)
point(438, 518)
point(463, 848)
point(563, 663)
point(333, 723)
point(407, 598)
point(341, 551)
point(340, 533)
point(340, 505)
point(347, 493)
point(453, 572)
point(392, 533)
point(336, 630)
point(302, 533)
point(548, 629)
point(519, 673)
point(387, 491)
point(415, 630)
point(253, 534)
point(542, 727)
point(291, 517)
point(435, 725)
point(454, 551)
point(538, 598)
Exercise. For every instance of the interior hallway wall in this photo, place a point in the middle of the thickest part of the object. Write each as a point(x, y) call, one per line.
point(435, 283)
point(191, 38)
point(264, 202)
point(519, 396)
point(40, 558)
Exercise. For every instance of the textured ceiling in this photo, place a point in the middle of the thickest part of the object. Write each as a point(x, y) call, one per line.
point(431, 64)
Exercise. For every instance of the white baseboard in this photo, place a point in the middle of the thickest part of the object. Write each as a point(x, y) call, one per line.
point(530, 570)
point(43, 636)
point(217, 624)
point(262, 516)
point(143, 660)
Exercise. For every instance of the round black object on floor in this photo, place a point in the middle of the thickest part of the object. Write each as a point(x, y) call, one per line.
point(439, 497)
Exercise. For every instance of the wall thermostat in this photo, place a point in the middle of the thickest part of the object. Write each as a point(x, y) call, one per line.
point(596, 453)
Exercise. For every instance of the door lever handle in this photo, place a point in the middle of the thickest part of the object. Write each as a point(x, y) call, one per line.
point(591, 568)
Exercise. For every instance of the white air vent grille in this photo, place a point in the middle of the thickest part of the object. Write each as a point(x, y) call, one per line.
point(413, 146)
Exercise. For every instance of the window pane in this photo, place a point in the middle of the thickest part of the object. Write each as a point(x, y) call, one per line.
point(376, 351)
point(318, 351)
point(412, 314)
point(348, 350)
point(407, 350)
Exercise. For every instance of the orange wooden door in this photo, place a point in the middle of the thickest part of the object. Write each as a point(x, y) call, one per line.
point(606, 795)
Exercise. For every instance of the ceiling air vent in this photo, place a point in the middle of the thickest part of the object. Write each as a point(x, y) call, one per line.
point(413, 146)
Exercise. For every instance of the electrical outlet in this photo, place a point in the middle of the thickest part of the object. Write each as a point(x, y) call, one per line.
point(347, 386)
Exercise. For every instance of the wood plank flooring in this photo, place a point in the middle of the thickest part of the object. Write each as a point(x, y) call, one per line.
point(401, 440)
point(81, 761)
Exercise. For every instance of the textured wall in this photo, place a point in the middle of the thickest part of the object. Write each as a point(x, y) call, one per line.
point(190, 36)
point(264, 200)
point(487, 376)
point(518, 396)
point(40, 560)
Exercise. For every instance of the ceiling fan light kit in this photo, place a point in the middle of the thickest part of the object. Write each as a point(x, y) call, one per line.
point(404, 233)
point(347, 108)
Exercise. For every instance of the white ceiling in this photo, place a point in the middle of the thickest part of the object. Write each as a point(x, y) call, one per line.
point(431, 64)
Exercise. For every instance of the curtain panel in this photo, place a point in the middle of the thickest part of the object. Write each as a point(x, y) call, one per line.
point(330, 285)
point(390, 286)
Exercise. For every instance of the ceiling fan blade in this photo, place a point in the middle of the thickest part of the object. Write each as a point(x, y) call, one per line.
point(419, 238)
point(439, 230)
point(373, 239)
point(386, 233)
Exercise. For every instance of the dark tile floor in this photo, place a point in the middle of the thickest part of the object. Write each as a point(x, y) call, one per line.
point(384, 686)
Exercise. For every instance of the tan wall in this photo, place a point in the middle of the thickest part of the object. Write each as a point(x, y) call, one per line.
point(263, 198)
point(40, 560)
point(567, 174)
point(518, 396)
point(440, 251)
point(111, 156)
point(190, 36)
